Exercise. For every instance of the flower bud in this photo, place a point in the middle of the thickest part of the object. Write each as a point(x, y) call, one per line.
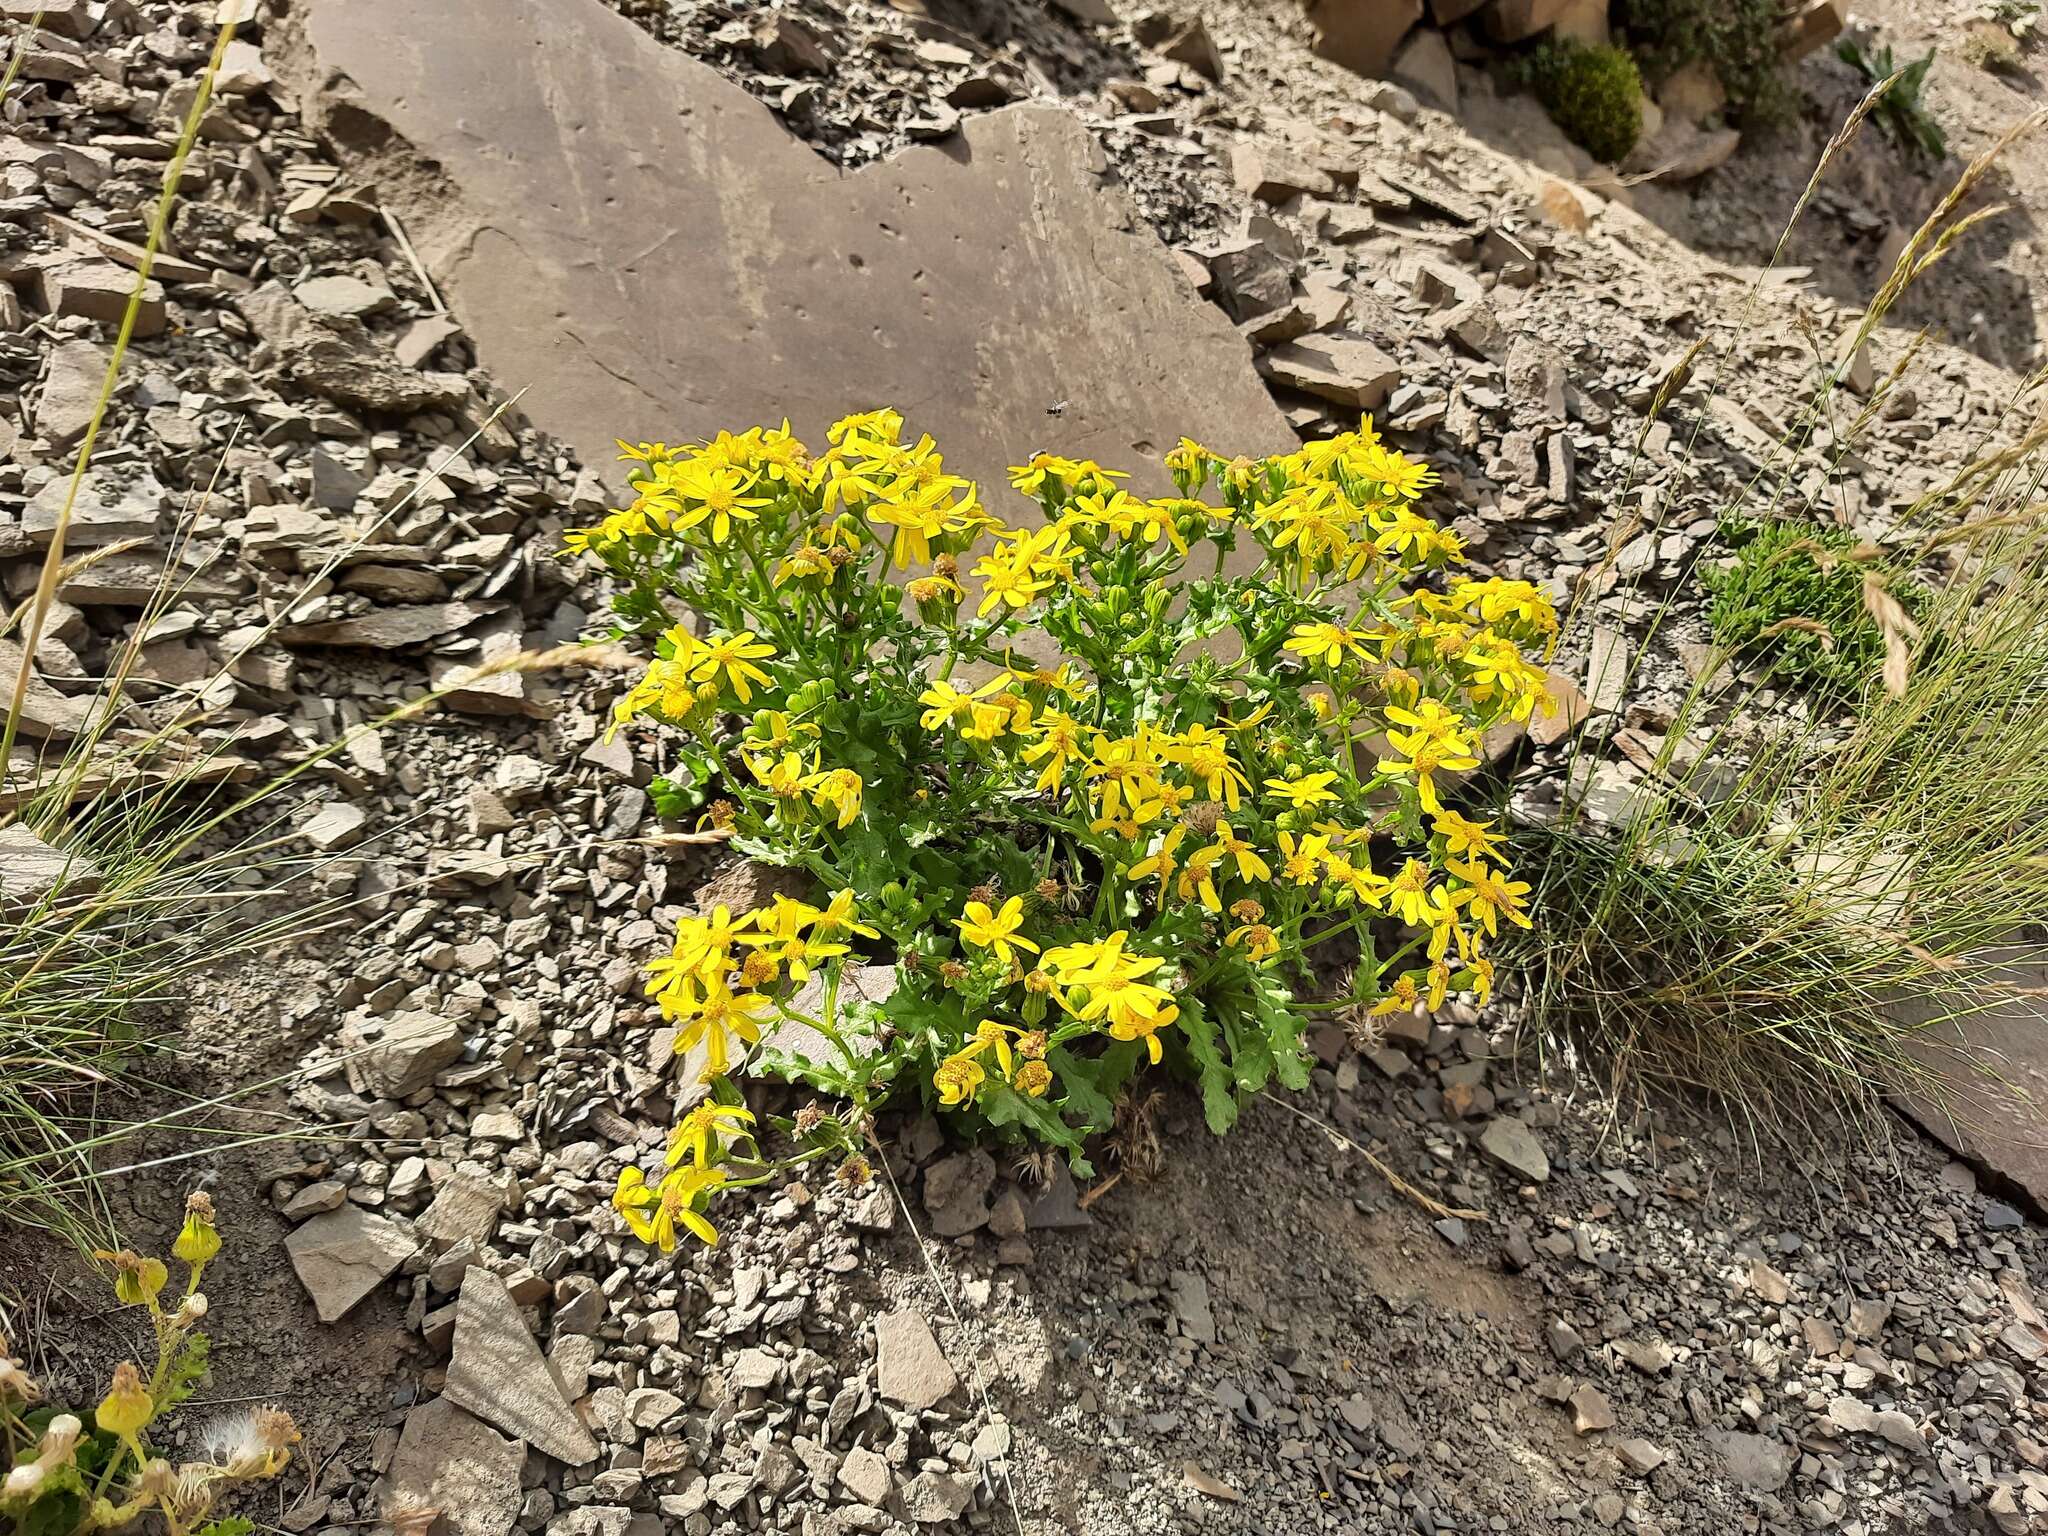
point(60, 1439)
point(23, 1481)
point(126, 1408)
point(136, 1280)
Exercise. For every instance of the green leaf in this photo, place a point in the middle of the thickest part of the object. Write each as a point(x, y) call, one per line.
point(1086, 1096)
point(1284, 1028)
point(1004, 1105)
point(1219, 1094)
point(231, 1525)
point(187, 1370)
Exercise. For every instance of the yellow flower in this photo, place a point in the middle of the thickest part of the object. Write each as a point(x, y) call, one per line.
point(1205, 754)
point(1077, 964)
point(1258, 941)
point(957, 1079)
point(126, 1409)
point(1303, 862)
point(995, 931)
point(1492, 896)
point(713, 494)
point(1198, 877)
point(782, 938)
point(1160, 863)
point(839, 918)
point(1412, 900)
point(837, 790)
point(1142, 1023)
point(197, 1240)
point(718, 1017)
point(783, 777)
point(696, 1134)
point(1033, 1079)
point(1012, 582)
point(733, 655)
point(1479, 977)
point(1327, 643)
point(1058, 744)
point(945, 702)
point(1251, 864)
point(1424, 761)
point(1467, 838)
point(1306, 792)
point(1401, 997)
point(990, 1035)
point(654, 1212)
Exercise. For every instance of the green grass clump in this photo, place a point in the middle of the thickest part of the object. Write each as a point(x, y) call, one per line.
point(1593, 93)
point(1793, 601)
point(1797, 907)
point(1738, 38)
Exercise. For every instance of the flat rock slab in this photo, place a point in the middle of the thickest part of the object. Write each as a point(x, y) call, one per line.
point(910, 1368)
point(343, 1255)
point(1993, 1071)
point(451, 1461)
point(643, 248)
point(498, 1373)
point(31, 869)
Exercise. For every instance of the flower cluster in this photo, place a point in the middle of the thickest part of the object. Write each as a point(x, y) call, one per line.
point(67, 1476)
point(1094, 802)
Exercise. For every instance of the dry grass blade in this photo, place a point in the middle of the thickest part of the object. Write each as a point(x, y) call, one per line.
point(1801, 625)
point(1898, 628)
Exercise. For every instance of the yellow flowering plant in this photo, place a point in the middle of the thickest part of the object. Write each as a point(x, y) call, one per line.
point(1096, 781)
point(72, 1473)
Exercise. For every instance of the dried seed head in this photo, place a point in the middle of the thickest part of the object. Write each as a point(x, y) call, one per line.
point(1032, 1046)
point(947, 567)
point(1202, 816)
point(1247, 910)
point(722, 813)
point(855, 1172)
point(1049, 891)
point(809, 1118)
point(952, 972)
point(986, 894)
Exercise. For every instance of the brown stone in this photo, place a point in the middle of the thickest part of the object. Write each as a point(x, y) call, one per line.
point(31, 869)
point(389, 628)
point(1362, 34)
point(1814, 25)
point(1681, 151)
point(1510, 21)
point(1340, 368)
point(99, 290)
point(44, 711)
point(1992, 1069)
point(973, 284)
point(1426, 67)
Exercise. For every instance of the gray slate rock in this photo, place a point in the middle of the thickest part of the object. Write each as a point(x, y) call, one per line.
point(498, 1373)
point(343, 1255)
point(910, 1368)
point(454, 1462)
point(1515, 1147)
